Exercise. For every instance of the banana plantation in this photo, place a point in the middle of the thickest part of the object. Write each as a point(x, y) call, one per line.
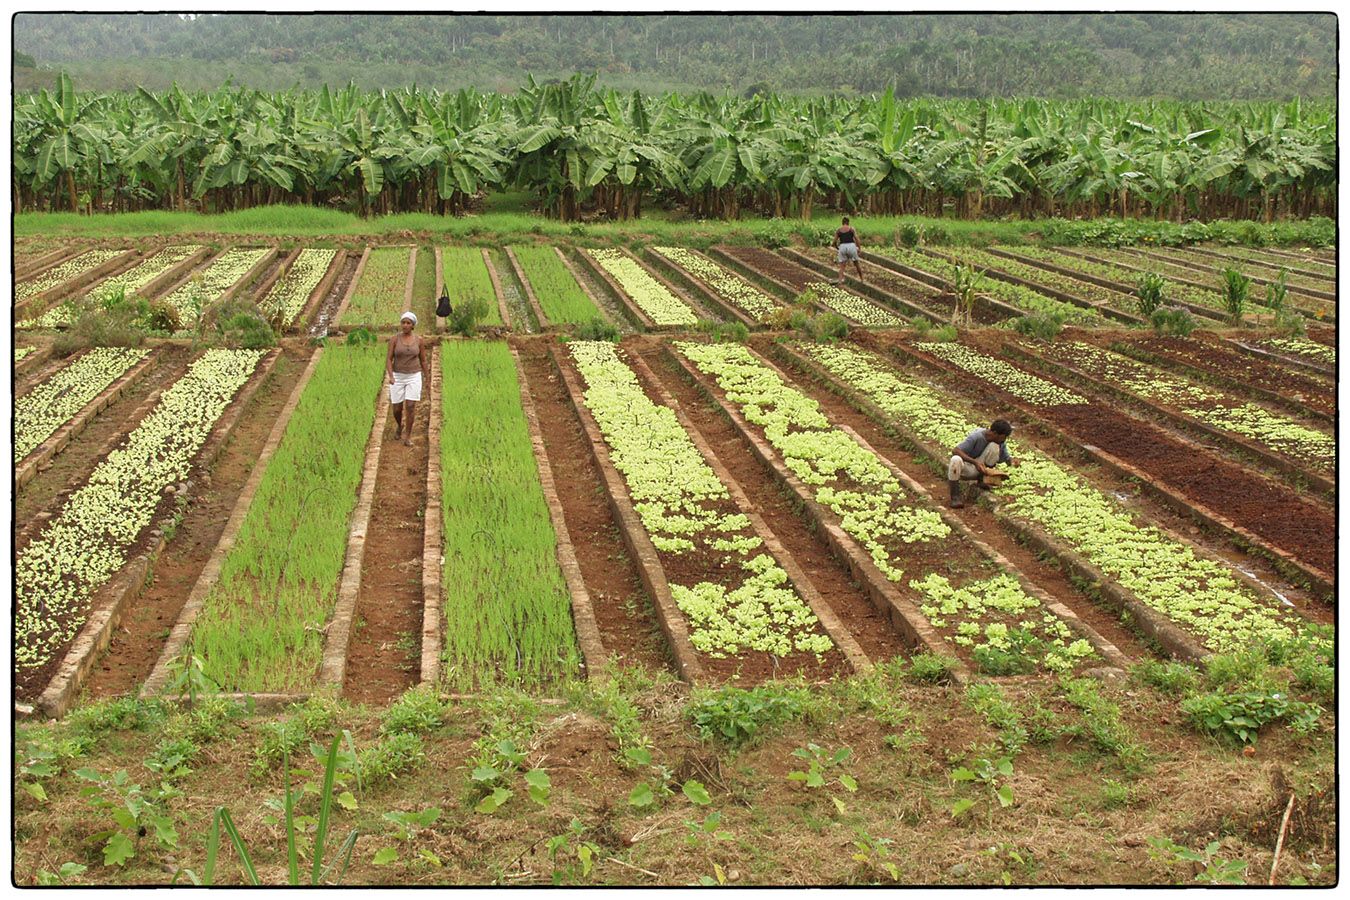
point(580, 149)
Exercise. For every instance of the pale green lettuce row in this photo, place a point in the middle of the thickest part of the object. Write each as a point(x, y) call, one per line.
point(80, 549)
point(1303, 347)
point(213, 281)
point(1008, 377)
point(38, 413)
point(855, 307)
point(1277, 432)
point(27, 290)
point(648, 293)
point(1200, 595)
point(842, 474)
point(677, 496)
point(729, 286)
point(21, 352)
point(977, 607)
point(129, 282)
point(287, 297)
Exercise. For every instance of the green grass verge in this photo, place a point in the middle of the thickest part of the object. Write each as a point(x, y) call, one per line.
point(507, 609)
point(561, 298)
point(261, 626)
point(424, 288)
point(514, 224)
point(466, 276)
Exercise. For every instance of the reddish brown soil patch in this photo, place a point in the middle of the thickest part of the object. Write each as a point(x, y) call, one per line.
point(870, 628)
point(775, 266)
point(1323, 335)
point(1232, 366)
point(70, 469)
point(385, 648)
point(138, 642)
point(628, 628)
point(978, 518)
point(1274, 513)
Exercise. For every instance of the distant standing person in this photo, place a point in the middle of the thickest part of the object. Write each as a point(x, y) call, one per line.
point(846, 243)
point(406, 366)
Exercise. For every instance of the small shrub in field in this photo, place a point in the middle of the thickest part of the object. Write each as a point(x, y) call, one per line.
point(826, 327)
point(1240, 716)
point(1236, 287)
point(463, 319)
point(1042, 326)
point(417, 711)
point(1149, 293)
point(1278, 291)
point(738, 716)
point(908, 234)
point(725, 332)
point(1173, 320)
point(931, 667)
point(1174, 678)
point(943, 334)
point(1019, 659)
point(117, 714)
point(393, 755)
point(597, 329)
point(922, 325)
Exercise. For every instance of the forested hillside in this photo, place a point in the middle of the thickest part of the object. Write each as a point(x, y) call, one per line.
point(1210, 56)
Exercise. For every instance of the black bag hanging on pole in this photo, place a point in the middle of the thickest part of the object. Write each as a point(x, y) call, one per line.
point(443, 304)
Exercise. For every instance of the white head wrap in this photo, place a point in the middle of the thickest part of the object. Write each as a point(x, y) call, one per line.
point(409, 315)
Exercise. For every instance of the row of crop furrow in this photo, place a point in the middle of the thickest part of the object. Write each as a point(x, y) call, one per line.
point(1301, 348)
point(811, 287)
point(54, 402)
point(467, 280)
point(1307, 446)
point(261, 627)
point(287, 298)
point(507, 608)
point(88, 540)
point(982, 615)
point(378, 298)
point(1089, 292)
point(192, 298)
point(1028, 300)
point(1200, 595)
point(127, 284)
point(1207, 268)
point(649, 294)
point(727, 285)
point(59, 274)
point(561, 298)
point(1274, 514)
point(907, 290)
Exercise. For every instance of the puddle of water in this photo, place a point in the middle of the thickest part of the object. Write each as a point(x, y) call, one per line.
point(1250, 574)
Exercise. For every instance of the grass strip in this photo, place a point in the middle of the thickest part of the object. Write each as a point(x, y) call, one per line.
point(466, 278)
point(562, 299)
point(508, 613)
point(262, 626)
point(379, 295)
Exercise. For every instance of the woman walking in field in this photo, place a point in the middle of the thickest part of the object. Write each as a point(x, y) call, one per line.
point(406, 367)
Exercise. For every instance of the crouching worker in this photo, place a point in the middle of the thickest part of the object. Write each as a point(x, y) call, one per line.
point(976, 456)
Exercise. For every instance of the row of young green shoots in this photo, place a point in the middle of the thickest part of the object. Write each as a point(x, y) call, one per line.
point(562, 299)
point(508, 613)
point(261, 628)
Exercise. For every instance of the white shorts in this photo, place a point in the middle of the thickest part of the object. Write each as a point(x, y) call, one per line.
point(848, 253)
point(406, 386)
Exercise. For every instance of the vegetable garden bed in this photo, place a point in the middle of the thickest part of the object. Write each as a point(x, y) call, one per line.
point(549, 283)
point(466, 277)
point(380, 290)
point(221, 278)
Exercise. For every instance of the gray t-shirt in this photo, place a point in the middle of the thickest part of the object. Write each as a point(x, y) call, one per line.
point(975, 444)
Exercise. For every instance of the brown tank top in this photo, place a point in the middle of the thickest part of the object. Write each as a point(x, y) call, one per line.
point(406, 352)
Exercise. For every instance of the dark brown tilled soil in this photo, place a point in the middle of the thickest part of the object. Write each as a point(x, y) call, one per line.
point(385, 652)
point(979, 518)
point(929, 298)
point(139, 640)
point(831, 578)
point(71, 467)
point(772, 264)
point(628, 627)
point(1275, 513)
